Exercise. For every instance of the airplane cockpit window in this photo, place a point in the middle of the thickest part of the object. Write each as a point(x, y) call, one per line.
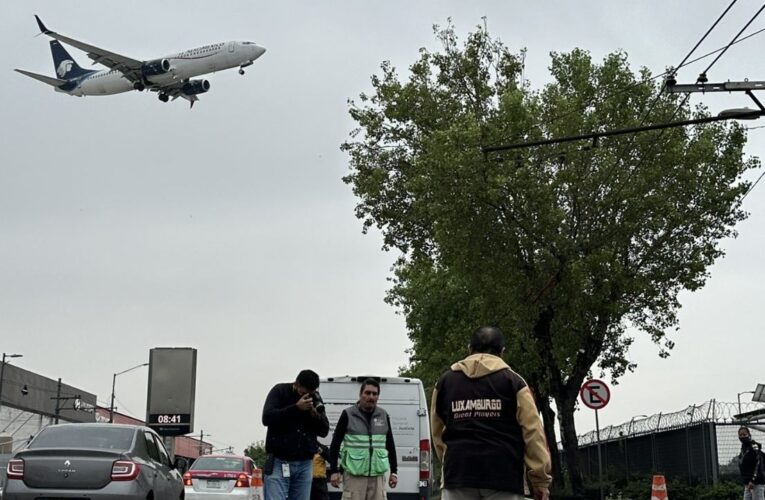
point(248, 43)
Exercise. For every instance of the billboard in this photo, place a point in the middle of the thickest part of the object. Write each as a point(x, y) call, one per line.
point(172, 385)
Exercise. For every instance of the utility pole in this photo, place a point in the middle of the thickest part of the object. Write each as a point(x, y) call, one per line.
point(58, 398)
point(201, 441)
point(2, 373)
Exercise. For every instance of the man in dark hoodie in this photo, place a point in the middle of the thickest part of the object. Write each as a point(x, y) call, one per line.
point(293, 423)
point(486, 427)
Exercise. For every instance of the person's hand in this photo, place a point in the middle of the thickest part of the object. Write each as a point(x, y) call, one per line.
point(305, 403)
point(541, 494)
point(393, 480)
point(335, 479)
point(750, 485)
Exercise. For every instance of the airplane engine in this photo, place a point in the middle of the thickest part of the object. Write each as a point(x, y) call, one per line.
point(156, 67)
point(194, 87)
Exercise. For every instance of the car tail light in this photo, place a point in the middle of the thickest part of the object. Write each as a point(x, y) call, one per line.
point(187, 479)
point(15, 469)
point(424, 459)
point(243, 481)
point(125, 470)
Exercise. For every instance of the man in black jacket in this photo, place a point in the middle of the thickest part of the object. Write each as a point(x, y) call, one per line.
point(750, 464)
point(293, 422)
point(486, 428)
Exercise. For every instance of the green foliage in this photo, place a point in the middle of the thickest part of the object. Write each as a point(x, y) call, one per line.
point(257, 452)
point(676, 490)
point(563, 246)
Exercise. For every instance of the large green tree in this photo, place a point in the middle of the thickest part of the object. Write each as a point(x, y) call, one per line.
point(567, 247)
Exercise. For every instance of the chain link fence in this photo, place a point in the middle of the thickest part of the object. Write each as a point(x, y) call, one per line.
point(698, 444)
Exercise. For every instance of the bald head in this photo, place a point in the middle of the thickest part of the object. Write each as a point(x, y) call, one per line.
point(488, 340)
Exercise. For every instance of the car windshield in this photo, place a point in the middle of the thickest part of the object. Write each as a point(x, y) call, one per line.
point(218, 463)
point(105, 438)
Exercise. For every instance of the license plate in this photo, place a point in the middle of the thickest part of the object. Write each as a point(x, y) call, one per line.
point(214, 483)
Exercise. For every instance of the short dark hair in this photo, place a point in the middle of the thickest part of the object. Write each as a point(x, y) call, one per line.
point(370, 381)
point(308, 379)
point(487, 339)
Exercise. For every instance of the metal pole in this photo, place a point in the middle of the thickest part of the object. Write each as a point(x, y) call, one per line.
point(600, 465)
point(201, 440)
point(738, 396)
point(111, 406)
point(627, 454)
point(58, 399)
point(2, 373)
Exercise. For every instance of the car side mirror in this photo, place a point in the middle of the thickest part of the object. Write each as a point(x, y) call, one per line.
point(181, 464)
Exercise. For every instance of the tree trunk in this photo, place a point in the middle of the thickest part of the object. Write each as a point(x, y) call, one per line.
point(548, 418)
point(566, 407)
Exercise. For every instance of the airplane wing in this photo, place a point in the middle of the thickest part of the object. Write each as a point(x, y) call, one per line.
point(131, 68)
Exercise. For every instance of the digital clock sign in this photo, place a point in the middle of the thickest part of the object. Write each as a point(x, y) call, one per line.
point(172, 384)
point(170, 424)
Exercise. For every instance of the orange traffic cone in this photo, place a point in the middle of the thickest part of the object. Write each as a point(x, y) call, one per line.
point(257, 484)
point(659, 488)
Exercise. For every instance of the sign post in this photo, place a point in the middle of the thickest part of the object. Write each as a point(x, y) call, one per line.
point(596, 395)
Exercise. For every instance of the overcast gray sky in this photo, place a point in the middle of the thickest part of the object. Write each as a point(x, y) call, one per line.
point(129, 224)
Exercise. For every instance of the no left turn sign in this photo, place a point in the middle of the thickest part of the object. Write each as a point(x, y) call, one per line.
point(595, 394)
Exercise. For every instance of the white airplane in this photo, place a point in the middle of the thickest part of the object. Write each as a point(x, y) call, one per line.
point(169, 76)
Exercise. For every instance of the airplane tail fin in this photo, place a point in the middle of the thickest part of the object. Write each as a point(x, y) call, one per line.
point(65, 66)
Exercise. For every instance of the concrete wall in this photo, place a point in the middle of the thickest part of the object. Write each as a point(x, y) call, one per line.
point(28, 391)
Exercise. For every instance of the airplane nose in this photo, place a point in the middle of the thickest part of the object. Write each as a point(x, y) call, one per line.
point(259, 51)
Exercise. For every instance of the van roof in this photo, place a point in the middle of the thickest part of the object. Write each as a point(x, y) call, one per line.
point(348, 379)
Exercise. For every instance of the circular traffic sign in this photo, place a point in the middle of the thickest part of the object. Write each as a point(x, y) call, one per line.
point(595, 394)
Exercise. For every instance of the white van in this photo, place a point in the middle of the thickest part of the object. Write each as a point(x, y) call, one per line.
point(404, 400)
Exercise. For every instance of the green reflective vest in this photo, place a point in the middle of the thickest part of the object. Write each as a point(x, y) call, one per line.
point(364, 452)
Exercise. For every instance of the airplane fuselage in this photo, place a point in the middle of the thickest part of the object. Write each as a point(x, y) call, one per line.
point(183, 66)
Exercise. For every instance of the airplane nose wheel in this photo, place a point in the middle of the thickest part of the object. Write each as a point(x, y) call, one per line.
point(241, 71)
point(164, 97)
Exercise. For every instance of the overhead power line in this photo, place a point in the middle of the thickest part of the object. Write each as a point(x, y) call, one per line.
point(744, 115)
point(673, 70)
point(732, 41)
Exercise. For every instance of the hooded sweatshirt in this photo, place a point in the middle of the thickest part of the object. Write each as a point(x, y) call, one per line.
point(486, 428)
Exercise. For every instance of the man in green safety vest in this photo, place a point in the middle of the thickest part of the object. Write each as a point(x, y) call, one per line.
point(363, 445)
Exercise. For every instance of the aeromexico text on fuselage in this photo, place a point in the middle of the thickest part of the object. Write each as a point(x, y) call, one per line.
point(167, 70)
point(169, 76)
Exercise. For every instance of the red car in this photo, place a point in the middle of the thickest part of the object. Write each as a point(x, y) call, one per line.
point(223, 477)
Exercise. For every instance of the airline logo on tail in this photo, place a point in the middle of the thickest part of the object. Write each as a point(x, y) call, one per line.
point(64, 67)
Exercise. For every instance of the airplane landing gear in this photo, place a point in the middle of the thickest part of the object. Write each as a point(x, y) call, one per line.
point(164, 97)
point(140, 87)
point(244, 65)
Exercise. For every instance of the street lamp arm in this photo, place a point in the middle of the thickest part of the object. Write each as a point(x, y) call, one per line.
point(114, 383)
point(131, 369)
